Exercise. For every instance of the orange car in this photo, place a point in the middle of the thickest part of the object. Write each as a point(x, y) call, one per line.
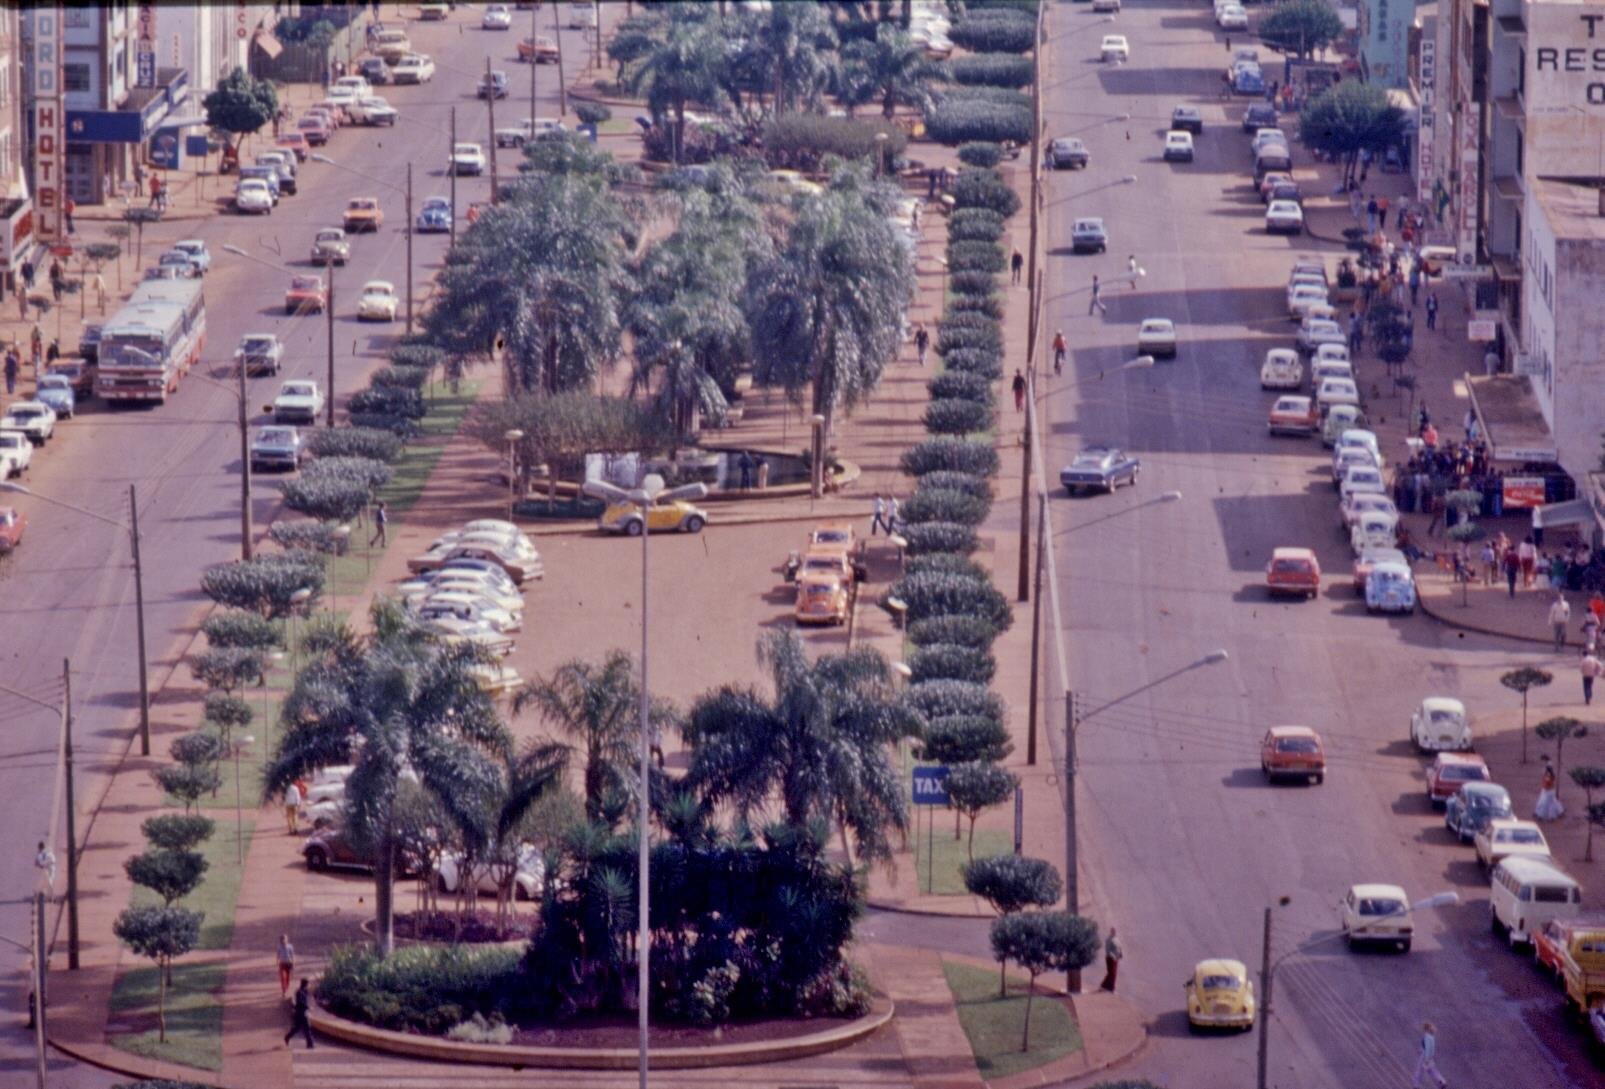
point(1293, 571)
point(827, 561)
point(832, 535)
point(296, 142)
point(1293, 416)
point(1292, 751)
point(821, 598)
point(13, 523)
point(363, 214)
point(542, 49)
point(305, 294)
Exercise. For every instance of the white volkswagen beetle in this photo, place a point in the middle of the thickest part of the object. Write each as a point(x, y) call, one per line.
point(1282, 370)
point(1440, 724)
point(378, 301)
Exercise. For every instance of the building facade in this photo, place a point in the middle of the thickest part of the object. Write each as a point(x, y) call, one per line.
point(16, 200)
point(1384, 40)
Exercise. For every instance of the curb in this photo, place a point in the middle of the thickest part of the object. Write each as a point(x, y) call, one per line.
point(611, 1058)
point(914, 909)
point(1432, 610)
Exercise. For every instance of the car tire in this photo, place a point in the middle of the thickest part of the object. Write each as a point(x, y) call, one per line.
point(632, 528)
point(1404, 946)
point(317, 860)
point(1318, 778)
point(693, 524)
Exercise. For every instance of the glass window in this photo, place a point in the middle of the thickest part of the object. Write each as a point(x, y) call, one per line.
point(75, 77)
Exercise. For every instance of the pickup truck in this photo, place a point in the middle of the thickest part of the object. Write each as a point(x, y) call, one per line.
point(1574, 949)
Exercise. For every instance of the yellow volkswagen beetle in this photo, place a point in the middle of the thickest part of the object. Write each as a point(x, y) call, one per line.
point(1219, 995)
point(665, 517)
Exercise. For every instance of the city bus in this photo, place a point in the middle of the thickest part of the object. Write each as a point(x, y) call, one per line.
point(149, 344)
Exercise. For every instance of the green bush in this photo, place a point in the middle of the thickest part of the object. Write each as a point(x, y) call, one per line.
point(801, 141)
point(969, 483)
point(197, 748)
point(995, 30)
point(987, 325)
point(985, 189)
point(955, 416)
point(981, 338)
point(407, 377)
point(369, 472)
point(944, 505)
point(353, 442)
point(227, 712)
point(952, 384)
point(990, 304)
point(975, 257)
point(176, 832)
point(936, 593)
point(959, 121)
point(952, 563)
point(327, 499)
point(944, 661)
point(960, 739)
point(992, 96)
point(965, 631)
point(419, 988)
point(960, 455)
point(931, 537)
point(402, 427)
point(993, 70)
point(388, 401)
point(239, 628)
point(980, 362)
point(592, 113)
point(228, 668)
point(426, 356)
point(265, 584)
point(941, 699)
point(976, 220)
point(980, 153)
point(307, 536)
point(974, 283)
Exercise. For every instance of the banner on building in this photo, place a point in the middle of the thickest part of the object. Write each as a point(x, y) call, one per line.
point(1425, 151)
point(145, 45)
point(48, 123)
point(1524, 491)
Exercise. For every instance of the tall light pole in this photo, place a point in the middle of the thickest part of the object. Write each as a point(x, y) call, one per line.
point(328, 310)
point(562, 85)
point(643, 498)
point(513, 437)
point(406, 192)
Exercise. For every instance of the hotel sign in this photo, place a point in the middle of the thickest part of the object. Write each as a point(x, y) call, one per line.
point(48, 124)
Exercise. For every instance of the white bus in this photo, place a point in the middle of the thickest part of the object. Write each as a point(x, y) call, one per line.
point(148, 345)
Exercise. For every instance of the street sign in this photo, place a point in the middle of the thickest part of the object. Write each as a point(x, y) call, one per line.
point(1467, 272)
point(930, 785)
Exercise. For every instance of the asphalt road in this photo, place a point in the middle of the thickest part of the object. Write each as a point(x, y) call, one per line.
point(68, 592)
point(1183, 844)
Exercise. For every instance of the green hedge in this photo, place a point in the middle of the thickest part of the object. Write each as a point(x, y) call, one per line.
point(975, 257)
point(992, 69)
point(425, 356)
point(241, 628)
point(984, 363)
point(982, 334)
point(951, 563)
point(944, 505)
point(1000, 30)
point(936, 593)
point(403, 427)
point(980, 153)
point(940, 699)
point(952, 384)
point(973, 282)
point(359, 442)
point(994, 96)
point(985, 189)
point(419, 988)
point(932, 537)
point(408, 377)
point(944, 661)
point(307, 535)
point(370, 472)
point(979, 224)
point(959, 121)
point(964, 631)
point(957, 417)
point(959, 455)
point(972, 321)
point(968, 483)
point(388, 401)
point(802, 140)
point(960, 739)
point(989, 304)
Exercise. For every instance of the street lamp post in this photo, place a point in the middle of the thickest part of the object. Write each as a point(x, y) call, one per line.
point(407, 194)
point(328, 310)
point(644, 498)
point(247, 533)
point(562, 86)
point(490, 106)
point(513, 437)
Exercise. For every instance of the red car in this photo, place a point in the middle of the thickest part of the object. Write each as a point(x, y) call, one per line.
point(1452, 770)
point(13, 523)
point(313, 130)
point(296, 142)
point(1293, 571)
point(305, 294)
point(1294, 752)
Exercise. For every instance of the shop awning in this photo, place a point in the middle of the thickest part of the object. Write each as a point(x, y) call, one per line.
point(267, 43)
point(1510, 420)
point(1573, 512)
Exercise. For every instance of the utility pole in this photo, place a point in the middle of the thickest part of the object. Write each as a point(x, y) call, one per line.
point(409, 246)
point(1072, 891)
point(245, 466)
point(39, 982)
point(72, 818)
point(490, 106)
point(328, 310)
point(562, 84)
point(1033, 297)
point(534, 69)
point(1023, 582)
point(1036, 638)
point(1264, 999)
point(139, 621)
point(451, 168)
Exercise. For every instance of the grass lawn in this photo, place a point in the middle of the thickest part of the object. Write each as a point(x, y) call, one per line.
point(194, 1015)
point(411, 471)
point(993, 1025)
point(950, 854)
point(219, 889)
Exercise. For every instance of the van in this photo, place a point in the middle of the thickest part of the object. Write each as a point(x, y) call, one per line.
point(1525, 893)
point(1272, 157)
point(392, 45)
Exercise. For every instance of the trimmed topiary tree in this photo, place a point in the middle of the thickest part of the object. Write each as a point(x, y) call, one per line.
point(945, 452)
point(969, 483)
point(957, 416)
point(994, 30)
point(958, 121)
point(929, 537)
point(945, 505)
point(984, 363)
point(355, 442)
point(976, 787)
point(976, 257)
point(939, 594)
point(965, 631)
point(1043, 941)
point(177, 832)
point(992, 70)
point(940, 699)
point(241, 628)
point(961, 385)
point(980, 153)
point(952, 563)
point(985, 189)
point(988, 304)
point(974, 283)
point(959, 739)
point(946, 661)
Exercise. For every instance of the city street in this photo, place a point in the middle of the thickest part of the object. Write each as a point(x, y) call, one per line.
point(69, 589)
point(1184, 845)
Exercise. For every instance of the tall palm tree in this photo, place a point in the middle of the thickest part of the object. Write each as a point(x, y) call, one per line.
point(799, 44)
point(891, 68)
point(823, 743)
point(827, 312)
point(684, 69)
point(526, 779)
point(597, 707)
point(398, 705)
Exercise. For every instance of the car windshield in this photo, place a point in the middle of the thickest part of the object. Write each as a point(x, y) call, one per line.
point(1362, 475)
point(54, 381)
point(257, 344)
point(1291, 566)
point(334, 235)
point(306, 283)
point(819, 589)
point(297, 389)
point(1488, 799)
point(1377, 905)
point(1297, 744)
point(275, 435)
point(831, 536)
point(466, 149)
point(1445, 717)
point(362, 205)
point(1464, 773)
point(1529, 836)
point(1219, 983)
point(25, 412)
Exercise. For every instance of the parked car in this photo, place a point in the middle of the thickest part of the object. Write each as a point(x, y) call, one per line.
point(1293, 415)
point(1473, 806)
point(1157, 337)
point(1506, 838)
point(662, 518)
point(1376, 914)
point(296, 143)
point(1100, 467)
point(374, 70)
point(413, 68)
point(299, 401)
point(314, 130)
point(1188, 119)
point(1068, 153)
point(88, 348)
point(1440, 724)
point(822, 598)
point(1390, 589)
point(276, 447)
point(1220, 995)
point(1374, 529)
point(331, 246)
point(56, 391)
point(35, 419)
point(16, 454)
point(467, 606)
point(197, 253)
point(373, 110)
point(80, 373)
point(329, 848)
point(305, 294)
point(1452, 770)
point(1293, 571)
point(1302, 295)
point(1292, 751)
point(1368, 559)
point(1284, 217)
point(1232, 17)
point(528, 874)
point(283, 162)
point(1259, 116)
point(1178, 146)
point(13, 524)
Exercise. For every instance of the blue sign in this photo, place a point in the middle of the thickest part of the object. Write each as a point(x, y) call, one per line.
point(930, 785)
point(167, 148)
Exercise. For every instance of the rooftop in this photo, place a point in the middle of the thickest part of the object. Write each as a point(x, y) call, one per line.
point(1572, 207)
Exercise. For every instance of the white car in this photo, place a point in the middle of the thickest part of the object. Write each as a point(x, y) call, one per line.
point(496, 679)
point(1359, 479)
point(1282, 369)
point(447, 605)
point(1231, 17)
point(1315, 332)
point(357, 85)
point(1355, 506)
point(378, 301)
point(1157, 337)
point(1303, 294)
point(1440, 724)
point(496, 17)
point(1178, 146)
point(434, 12)
point(522, 133)
point(35, 419)
point(453, 631)
point(1322, 369)
point(1114, 49)
point(340, 98)
point(1376, 914)
point(1308, 264)
point(1377, 529)
point(467, 159)
point(413, 68)
point(1284, 217)
point(1329, 352)
point(1498, 839)
point(582, 17)
point(509, 601)
point(1345, 458)
point(1106, 6)
point(253, 197)
point(1336, 391)
point(299, 401)
point(527, 878)
point(1263, 138)
point(373, 110)
point(1359, 436)
point(16, 454)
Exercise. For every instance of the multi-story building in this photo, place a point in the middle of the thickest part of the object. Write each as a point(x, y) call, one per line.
point(16, 200)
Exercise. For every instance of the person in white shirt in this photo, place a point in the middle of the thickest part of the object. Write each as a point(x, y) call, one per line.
point(1560, 617)
point(1427, 1061)
point(292, 807)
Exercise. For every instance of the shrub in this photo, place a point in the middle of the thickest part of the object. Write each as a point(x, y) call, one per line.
point(964, 631)
point(176, 832)
point(592, 113)
point(959, 739)
point(367, 471)
point(238, 628)
point(959, 121)
point(936, 593)
point(197, 749)
point(974, 321)
point(995, 30)
point(957, 417)
point(975, 257)
point(992, 70)
point(400, 401)
point(952, 563)
point(419, 988)
point(265, 584)
point(426, 356)
point(980, 153)
point(979, 332)
point(801, 141)
point(406, 377)
point(307, 536)
point(1013, 883)
point(228, 668)
point(329, 499)
point(945, 662)
point(478, 1030)
point(960, 455)
point(983, 363)
point(945, 505)
point(985, 189)
point(972, 219)
point(227, 712)
point(973, 231)
point(927, 537)
point(988, 304)
point(969, 483)
point(353, 442)
point(187, 783)
point(992, 96)
point(974, 283)
point(402, 427)
point(959, 384)
point(941, 699)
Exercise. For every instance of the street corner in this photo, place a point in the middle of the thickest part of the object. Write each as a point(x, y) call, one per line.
point(1490, 609)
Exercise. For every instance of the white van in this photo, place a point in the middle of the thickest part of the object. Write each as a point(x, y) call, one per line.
point(1525, 893)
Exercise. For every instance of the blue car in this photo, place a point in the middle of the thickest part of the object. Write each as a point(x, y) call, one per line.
point(55, 390)
point(1390, 588)
point(435, 216)
point(1471, 807)
point(197, 253)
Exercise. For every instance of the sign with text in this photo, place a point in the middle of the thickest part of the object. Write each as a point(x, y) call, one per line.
point(1483, 330)
point(145, 45)
point(930, 785)
point(48, 123)
point(1565, 59)
point(1524, 491)
point(1426, 119)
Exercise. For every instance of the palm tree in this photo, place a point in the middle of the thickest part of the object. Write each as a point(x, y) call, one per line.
point(526, 780)
point(399, 706)
point(685, 68)
point(598, 706)
point(891, 68)
point(798, 43)
point(827, 312)
point(823, 743)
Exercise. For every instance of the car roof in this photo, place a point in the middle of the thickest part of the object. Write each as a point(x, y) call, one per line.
point(1289, 553)
point(1158, 322)
point(1281, 353)
point(1443, 703)
point(1293, 401)
point(1379, 892)
point(819, 578)
point(1491, 789)
point(1221, 966)
point(1391, 567)
point(1380, 555)
point(1089, 221)
point(1512, 823)
point(1526, 869)
point(1447, 758)
point(1293, 731)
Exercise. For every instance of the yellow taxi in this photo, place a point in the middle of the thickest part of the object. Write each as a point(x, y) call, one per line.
point(821, 599)
point(827, 561)
point(363, 214)
point(1219, 995)
point(675, 516)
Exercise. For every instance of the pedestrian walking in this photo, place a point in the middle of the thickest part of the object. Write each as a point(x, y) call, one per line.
point(1017, 265)
point(1590, 627)
point(931, 177)
point(1512, 569)
point(1096, 303)
point(380, 521)
point(45, 861)
point(1527, 553)
point(1354, 333)
point(1133, 271)
point(1382, 213)
point(894, 520)
point(1490, 568)
point(922, 341)
point(1548, 807)
point(298, 1018)
point(292, 808)
point(1059, 349)
point(286, 964)
point(1427, 1060)
point(1596, 608)
point(68, 207)
point(1560, 618)
point(1589, 667)
point(878, 522)
point(1371, 216)
point(1432, 310)
point(1490, 361)
point(744, 466)
point(1112, 954)
point(58, 280)
point(157, 191)
point(13, 367)
point(1018, 385)
point(36, 348)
